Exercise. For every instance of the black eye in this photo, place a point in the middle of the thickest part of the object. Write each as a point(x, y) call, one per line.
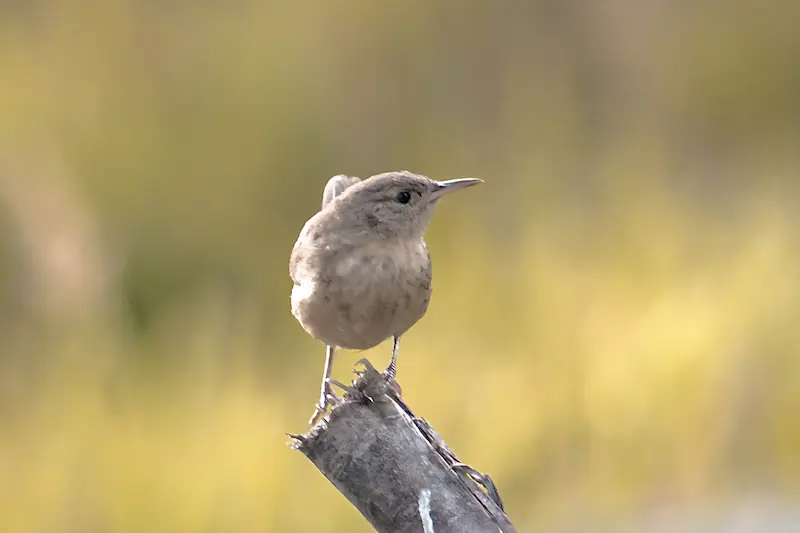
point(404, 197)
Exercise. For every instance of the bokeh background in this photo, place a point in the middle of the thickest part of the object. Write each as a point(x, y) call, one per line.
point(615, 329)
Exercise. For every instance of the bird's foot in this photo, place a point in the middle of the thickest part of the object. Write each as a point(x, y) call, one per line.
point(390, 372)
point(347, 388)
point(327, 397)
point(367, 365)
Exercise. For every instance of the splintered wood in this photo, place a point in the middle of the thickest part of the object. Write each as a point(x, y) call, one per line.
point(395, 469)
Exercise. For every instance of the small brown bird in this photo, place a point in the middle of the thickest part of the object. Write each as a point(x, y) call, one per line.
point(361, 268)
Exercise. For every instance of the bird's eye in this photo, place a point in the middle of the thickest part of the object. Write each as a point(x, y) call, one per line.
point(404, 197)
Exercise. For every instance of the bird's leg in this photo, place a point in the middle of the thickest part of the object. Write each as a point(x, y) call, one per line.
point(327, 395)
point(391, 370)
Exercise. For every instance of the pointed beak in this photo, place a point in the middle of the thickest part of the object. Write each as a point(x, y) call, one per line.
point(446, 187)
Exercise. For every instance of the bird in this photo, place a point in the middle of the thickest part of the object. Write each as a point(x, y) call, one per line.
point(361, 269)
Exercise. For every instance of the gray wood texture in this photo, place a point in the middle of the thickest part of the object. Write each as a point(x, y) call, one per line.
point(395, 469)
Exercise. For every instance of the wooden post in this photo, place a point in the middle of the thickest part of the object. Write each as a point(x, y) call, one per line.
point(395, 469)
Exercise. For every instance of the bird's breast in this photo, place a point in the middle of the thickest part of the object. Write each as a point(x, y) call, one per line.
point(364, 295)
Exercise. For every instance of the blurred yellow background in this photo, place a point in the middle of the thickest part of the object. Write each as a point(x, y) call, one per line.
point(614, 334)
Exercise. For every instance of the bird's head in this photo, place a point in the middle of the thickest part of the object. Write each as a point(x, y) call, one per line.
point(395, 204)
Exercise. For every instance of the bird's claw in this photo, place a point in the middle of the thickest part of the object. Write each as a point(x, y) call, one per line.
point(347, 388)
point(318, 411)
point(391, 372)
point(367, 365)
point(328, 397)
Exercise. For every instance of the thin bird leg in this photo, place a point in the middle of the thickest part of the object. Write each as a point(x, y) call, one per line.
point(391, 370)
point(327, 393)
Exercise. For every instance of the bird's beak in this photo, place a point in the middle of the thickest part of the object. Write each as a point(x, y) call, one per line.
point(446, 187)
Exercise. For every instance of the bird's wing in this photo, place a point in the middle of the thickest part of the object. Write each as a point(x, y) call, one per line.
point(300, 249)
point(304, 250)
point(336, 186)
point(293, 260)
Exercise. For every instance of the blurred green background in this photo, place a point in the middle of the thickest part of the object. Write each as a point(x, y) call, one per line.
point(614, 334)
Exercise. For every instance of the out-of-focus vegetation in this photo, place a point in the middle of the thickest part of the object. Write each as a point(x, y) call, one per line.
point(615, 328)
